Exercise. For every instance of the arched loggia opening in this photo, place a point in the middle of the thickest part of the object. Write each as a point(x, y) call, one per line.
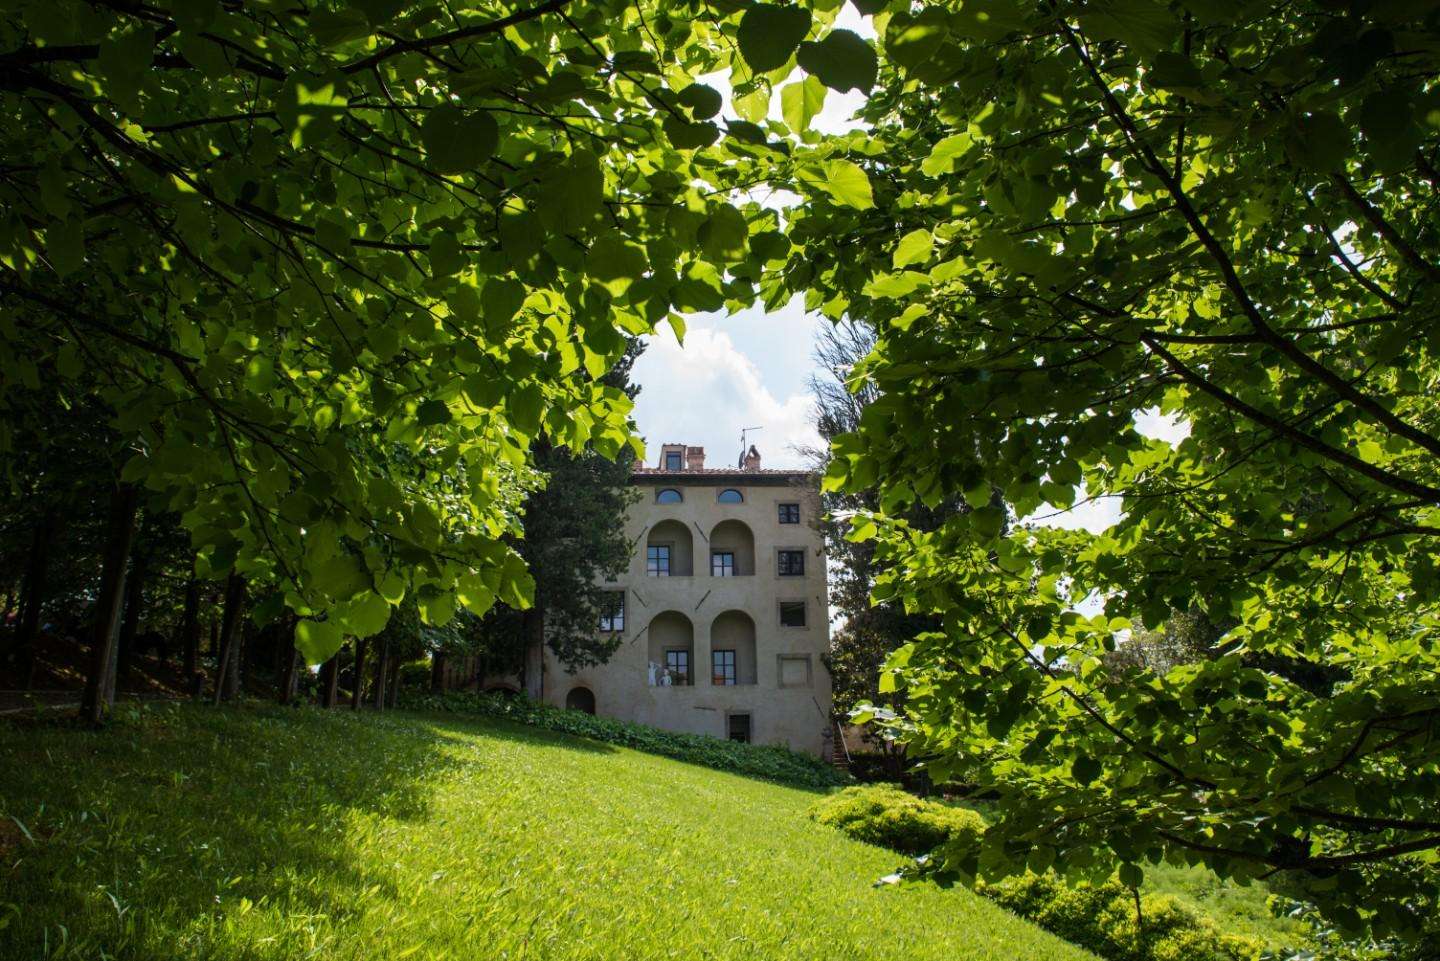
point(732, 549)
point(669, 550)
point(732, 649)
point(671, 650)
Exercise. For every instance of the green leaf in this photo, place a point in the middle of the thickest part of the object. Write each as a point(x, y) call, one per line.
point(913, 40)
point(690, 136)
point(334, 27)
point(945, 153)
point(914, 248)
point(364, 616)
point(848, 184)
point(616, 262)
point(801, 102)
point(65, 246)
point(473, 595)
point(317, 641)
point(704, 102)
point(724, 233)
point(769, 34)
point(432, 413)
point(456, 141)
point(517, 587)
point(309, 107)
point(1131, 875)
point(843, 61)
point(1085, 769)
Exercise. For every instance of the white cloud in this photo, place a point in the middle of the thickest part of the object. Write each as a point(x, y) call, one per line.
point(705, 392)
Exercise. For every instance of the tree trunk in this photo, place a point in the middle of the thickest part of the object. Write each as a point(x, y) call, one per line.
point(437, 673)
point(358, 671)
point(382, 667)
point(532, 626)
point(190, 628)
point(134, 607)
point(330, 681)
point(119, 534)
point(227, 672)
point(288, 673)
point(32, 599)
point(393, 687)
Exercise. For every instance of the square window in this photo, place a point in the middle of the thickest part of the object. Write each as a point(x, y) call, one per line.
point(657, 560)
point(792, 613)
point(677, 662)
point(612, 611)
point(722, 668)
point(790, 563)
point(794, 670)
point(722, 564)
point(789, 513)
point(738, 727)
point(672, 460)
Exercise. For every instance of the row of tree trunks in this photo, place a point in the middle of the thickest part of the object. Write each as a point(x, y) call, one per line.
point(119, 534)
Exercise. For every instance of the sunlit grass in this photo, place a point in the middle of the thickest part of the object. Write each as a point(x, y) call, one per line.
point(187, 832)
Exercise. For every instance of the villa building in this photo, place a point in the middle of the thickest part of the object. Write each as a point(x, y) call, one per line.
point(722, 615)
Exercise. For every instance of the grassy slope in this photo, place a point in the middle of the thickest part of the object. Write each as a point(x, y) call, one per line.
point(187, 832)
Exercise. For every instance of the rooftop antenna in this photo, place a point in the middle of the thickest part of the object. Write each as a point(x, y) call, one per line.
point(743, 445)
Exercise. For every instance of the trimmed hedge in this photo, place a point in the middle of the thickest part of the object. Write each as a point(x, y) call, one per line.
point(754, 760)
point(1100, 917)
point(884, 814)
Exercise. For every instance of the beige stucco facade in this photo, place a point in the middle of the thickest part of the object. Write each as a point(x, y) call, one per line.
point(698, 609)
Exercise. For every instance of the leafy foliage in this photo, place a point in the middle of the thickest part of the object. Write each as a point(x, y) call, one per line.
point(755, 760)
point(893, 818)
point(1100, 917)
point(1223, 218)
point(327, 273)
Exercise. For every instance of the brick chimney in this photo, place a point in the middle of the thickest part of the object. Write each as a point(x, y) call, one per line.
point(694, 458)
point(752, 458)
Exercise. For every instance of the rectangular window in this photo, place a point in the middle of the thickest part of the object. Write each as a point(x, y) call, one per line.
point(612, 611)
point(672, 460)
point(678, 664)
point(789, 513)
point(657, 560)
point(722, 564)
point(794, 670)
point(790, 563)
point(739, 727)
point(792, 613)
point(722, 668)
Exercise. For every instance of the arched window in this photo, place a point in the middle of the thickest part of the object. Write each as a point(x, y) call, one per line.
point(730, 496)
point(580, 699)
point(668, 496)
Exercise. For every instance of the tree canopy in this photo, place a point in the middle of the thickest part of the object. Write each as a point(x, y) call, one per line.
point(327, 271)
point(1089, 216)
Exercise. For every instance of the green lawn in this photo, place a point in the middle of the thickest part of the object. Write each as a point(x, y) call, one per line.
point(191, 832)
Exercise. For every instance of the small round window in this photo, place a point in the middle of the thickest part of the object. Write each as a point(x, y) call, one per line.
point(668, 496)
point(730, 496)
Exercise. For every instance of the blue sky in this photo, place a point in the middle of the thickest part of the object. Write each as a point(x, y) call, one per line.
point(746, 370)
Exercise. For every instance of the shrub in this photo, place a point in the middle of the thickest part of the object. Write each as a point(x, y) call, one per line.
point(884, 814)
point(772, 763)
point(1100, 917)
